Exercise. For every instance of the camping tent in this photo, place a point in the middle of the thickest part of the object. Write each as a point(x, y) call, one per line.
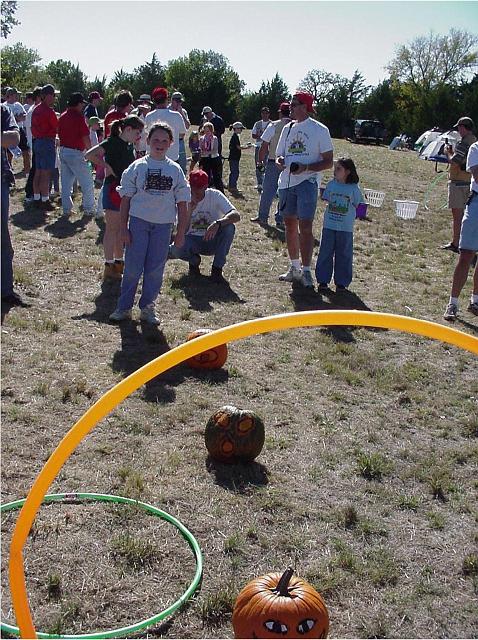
point(434, 150)
point(426, 138)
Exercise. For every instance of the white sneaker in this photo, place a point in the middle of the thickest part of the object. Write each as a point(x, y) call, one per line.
point(118, 315)
point(307, 280)
point(148, 315)
point(451, 312)
point(292, 275)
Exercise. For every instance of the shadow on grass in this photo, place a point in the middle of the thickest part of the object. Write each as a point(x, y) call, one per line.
point(468, 325)
point(201, 291)
point(238, 478)
point(310, 300)
point(100, 223)
point(105, 302)
point(65, 228)
point(29, 218)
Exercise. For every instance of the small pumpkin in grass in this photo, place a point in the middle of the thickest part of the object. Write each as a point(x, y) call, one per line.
point(234, 435)
point(209, 359)
point(280, 606)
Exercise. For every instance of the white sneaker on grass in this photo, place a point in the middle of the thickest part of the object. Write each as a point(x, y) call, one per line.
point(451, 312)
point(307, 280)
point(292, 275)
point(118, 315)
point(148, 314)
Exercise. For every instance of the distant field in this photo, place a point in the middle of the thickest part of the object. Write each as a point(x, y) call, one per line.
point(367, 483)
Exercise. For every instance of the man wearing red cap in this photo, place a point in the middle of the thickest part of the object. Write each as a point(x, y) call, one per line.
point(303, 151)
point(211, 230)
point(91, 109)
point(162, 114)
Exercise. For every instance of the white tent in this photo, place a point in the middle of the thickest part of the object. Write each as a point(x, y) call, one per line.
point(434, 150)
point(426, 138)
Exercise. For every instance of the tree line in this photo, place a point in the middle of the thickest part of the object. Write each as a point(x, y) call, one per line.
point(431, 81)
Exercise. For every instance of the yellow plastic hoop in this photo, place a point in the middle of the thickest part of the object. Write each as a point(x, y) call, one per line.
point(123, 389)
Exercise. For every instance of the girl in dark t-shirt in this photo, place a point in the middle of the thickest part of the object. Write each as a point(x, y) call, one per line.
point(115, 154)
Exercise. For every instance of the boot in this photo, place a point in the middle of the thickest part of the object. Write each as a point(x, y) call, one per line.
point(119, 268)
point(110, 272)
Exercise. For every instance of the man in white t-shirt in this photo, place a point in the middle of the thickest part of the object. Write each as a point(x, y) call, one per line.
point(257, 130)
point(177, 100)
point(267, 160)
point(468, 245)
point(303, 151)
point(211, 230)
point(162, 114)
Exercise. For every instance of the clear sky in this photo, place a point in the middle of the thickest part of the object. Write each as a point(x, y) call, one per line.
point(258, 38)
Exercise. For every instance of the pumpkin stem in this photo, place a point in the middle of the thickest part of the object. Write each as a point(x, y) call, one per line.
point(283, 584)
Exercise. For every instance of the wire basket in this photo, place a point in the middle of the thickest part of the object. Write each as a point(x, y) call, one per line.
point(406, 209)
point(374, 198)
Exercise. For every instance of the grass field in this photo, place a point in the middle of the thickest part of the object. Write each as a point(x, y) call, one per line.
point(367, 483)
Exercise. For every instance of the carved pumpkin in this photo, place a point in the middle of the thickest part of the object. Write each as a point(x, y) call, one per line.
point(275, 606)
point(234, 435)
point(209, 359)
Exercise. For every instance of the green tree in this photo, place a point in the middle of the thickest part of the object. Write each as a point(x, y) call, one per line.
point(381, 104)
point(148, 76)
point(206, 78)
point(270, 94)
point(8, 21)
point(430, 61)
point(67, 78)
point(20, 67)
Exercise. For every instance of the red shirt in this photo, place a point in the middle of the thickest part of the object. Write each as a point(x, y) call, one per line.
point(111, 117)
point(72, 128)
point(44, 122)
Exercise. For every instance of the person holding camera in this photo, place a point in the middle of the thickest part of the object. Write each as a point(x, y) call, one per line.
point(459, 178)
point(303, 151)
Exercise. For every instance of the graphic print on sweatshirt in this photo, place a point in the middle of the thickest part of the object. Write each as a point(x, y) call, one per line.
point(298, 144)
point(155, 182)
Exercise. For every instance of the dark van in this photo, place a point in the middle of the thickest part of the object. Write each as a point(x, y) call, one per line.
point(368, 131)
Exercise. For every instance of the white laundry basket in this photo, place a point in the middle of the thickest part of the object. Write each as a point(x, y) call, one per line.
point(406, 209)
point(374, 198)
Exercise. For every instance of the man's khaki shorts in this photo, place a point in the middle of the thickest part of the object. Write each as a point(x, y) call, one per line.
point(458, 195)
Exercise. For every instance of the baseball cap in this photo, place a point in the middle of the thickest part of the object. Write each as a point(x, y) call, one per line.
point(95, 95)
point(238, 125)
point(198, 178)
point(48, 89)
point(284, 106)
point(93, 120)
point(159, 93)
point(305, 98)
point(75, 99)
point(144, 97)
point(206, 110)
point(10, 91)
point(177, 95)
point(466, 122)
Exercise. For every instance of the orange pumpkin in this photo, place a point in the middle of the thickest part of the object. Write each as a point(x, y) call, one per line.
point(234, 435)
point(209, 359)
point(275, 606)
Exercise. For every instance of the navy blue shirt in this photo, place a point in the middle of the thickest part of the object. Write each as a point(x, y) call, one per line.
point(8, 124)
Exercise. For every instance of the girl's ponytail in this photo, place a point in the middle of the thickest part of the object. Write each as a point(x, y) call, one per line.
point(120, 125)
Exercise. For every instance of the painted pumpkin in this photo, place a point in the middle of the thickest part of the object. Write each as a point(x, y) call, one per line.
point(234, 435)
point(209, 359)
point(275, 606)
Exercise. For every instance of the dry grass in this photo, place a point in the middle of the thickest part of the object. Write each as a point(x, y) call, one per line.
point(367, 481)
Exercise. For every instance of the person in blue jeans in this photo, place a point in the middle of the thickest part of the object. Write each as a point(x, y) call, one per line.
point(152, 189)
point(10, 138)
point(336, 245)
point(235, 150)
point(211, 229)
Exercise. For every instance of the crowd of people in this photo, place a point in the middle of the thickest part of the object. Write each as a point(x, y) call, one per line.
point(155, 209)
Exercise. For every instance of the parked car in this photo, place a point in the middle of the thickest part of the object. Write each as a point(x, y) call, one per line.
point(368, 131)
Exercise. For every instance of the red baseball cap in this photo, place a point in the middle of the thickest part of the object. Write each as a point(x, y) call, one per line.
point(198, 179)
point(159, 93)
point(284, 106)
point(95, 95)
point(305, 98)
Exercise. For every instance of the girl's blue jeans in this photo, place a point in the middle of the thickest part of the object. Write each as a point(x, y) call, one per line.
point(233, 173)
point(146, 255)
point(335, 256)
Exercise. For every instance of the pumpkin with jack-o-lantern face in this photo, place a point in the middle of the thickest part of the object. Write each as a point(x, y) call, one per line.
point(234, 435)
point(209, 359)
point(280, 606)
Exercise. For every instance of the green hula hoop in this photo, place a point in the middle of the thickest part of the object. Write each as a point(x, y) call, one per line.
point(137, 626)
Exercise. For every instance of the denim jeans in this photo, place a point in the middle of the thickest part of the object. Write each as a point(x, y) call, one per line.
point(269, 191)
point(218, 247)
point(74, 165)
point(147, 255)
point(233, 173)
point(7, 249)
point(335, 254)
point(182, 160)
point(31, 175)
